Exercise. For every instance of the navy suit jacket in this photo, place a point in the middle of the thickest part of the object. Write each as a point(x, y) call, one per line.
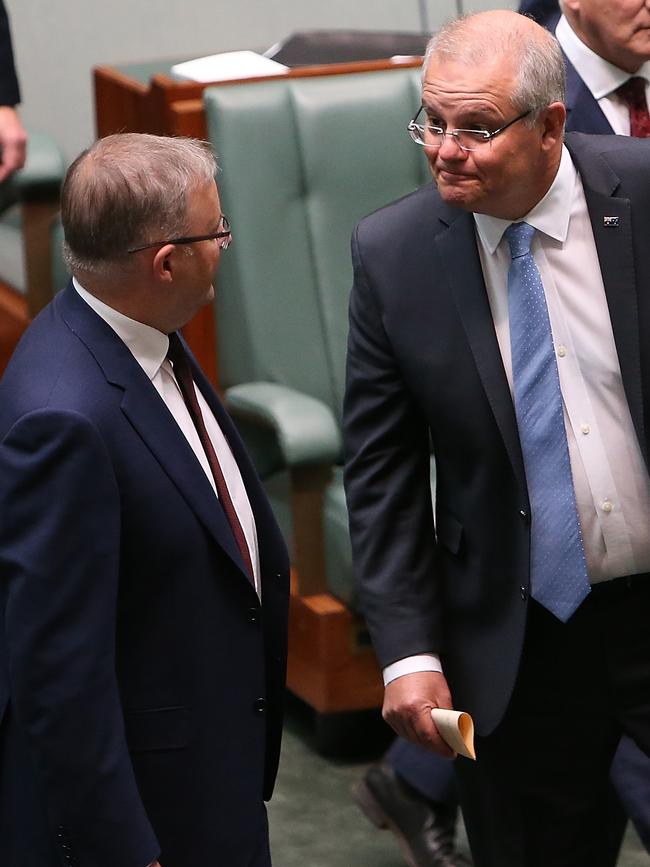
point(141, 681)
point(424, 371)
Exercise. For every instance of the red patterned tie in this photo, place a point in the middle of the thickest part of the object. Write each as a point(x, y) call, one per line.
point(183, 374)
point(632, 93)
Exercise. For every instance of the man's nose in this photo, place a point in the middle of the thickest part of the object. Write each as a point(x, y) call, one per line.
point(450, 149)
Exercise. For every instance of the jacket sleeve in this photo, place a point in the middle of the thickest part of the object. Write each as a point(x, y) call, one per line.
point(9, 90)
point(387, 478)
point(59, 566)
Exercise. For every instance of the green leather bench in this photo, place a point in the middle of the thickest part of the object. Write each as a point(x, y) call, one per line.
point(302, 161)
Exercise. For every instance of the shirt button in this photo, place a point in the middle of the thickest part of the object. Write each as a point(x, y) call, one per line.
point(561, 351)
point(608, 506)
point(585, 429)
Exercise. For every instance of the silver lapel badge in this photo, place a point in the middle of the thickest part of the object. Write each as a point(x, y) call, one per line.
point(610, 221)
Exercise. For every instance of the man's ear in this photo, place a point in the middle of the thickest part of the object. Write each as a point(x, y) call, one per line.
point(553, 120)
point(162, 264)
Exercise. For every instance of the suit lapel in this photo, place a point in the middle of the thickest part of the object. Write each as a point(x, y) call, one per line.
point(583, 112)
point(457, 244)
point(150, 418)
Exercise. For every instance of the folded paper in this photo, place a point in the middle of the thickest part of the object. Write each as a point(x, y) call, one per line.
point(456, 728)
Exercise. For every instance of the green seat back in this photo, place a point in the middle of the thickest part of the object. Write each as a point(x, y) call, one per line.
point(302, 161)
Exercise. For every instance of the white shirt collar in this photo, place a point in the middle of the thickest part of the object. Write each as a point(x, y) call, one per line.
point(148, 345)
point(550, 215)
point(599, 75)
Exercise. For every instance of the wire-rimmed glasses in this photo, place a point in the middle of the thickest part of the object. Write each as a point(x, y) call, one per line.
point(223, 234)
point(430, 136)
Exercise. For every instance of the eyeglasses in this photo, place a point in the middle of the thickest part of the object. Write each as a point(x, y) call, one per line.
point(430, 136)
point(224, 235)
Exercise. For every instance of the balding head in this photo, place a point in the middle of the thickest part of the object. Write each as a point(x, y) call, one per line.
point(619, 31)
point(504, 37)
point(126, 190)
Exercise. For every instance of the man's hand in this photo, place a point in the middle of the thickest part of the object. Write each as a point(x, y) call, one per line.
point(13, 141)
point(408, 701)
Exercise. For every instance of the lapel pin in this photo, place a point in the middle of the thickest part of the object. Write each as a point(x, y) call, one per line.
point(610, 221)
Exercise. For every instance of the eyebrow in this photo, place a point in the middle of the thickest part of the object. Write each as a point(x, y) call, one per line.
point(476, 111)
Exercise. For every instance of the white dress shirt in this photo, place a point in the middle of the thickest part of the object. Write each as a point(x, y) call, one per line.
point(149, 348)
point(600, 77)
point(611, 481)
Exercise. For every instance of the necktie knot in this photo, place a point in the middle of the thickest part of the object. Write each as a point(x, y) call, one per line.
point(632, 92)
point(519, 236)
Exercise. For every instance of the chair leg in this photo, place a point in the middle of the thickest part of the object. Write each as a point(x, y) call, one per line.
point(308, 557)
point(36, 220)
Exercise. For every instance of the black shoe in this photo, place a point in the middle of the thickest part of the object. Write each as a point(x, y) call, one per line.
point(425, 834)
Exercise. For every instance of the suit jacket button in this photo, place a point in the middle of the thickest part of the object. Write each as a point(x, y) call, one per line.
point(524, 593)
point(523, 515)
point(253, 614)
point(260, 705)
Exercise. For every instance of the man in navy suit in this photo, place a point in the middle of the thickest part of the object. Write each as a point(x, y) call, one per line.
point(143, 579)
point(552, 676)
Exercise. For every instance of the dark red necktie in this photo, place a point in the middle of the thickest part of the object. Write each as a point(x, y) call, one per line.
point(632, 93)
point(183, 374)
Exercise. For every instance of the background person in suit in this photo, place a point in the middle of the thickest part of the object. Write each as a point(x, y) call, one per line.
point(13, 138)
point(143, 579)
point(525, 594)
point(607, 53)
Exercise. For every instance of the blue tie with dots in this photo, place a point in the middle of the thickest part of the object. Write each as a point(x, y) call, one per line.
point(558, 570)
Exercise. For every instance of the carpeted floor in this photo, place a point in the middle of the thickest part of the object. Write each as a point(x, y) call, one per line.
point(314, 822)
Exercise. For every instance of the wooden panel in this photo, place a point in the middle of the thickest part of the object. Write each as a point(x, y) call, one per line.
point(37, 218)
point(121, 103)
point(331, 664)
point(14, 319)
point(201, 336)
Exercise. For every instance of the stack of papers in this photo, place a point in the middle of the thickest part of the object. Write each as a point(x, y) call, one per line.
point(228, 66)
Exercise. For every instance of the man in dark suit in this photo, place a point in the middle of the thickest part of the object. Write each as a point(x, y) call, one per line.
point(13, 138)
point(524, 369)
point(143, 578)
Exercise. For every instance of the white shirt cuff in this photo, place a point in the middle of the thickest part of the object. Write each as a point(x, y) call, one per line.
point(411, 664)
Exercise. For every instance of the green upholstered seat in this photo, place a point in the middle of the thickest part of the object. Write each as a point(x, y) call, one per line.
point(302, 161)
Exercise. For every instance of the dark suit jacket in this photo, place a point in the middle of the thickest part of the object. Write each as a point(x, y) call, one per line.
point(9, 92)
point(424, 367)
point(583, 112)
point(140, 680)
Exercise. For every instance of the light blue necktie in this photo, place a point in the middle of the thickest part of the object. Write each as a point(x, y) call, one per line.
point(558, 570)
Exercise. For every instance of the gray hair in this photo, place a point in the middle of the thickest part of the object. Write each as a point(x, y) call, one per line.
point(126, 190)
point(478, 38)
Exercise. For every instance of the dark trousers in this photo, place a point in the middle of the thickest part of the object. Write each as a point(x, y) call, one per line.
point(538, 794)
